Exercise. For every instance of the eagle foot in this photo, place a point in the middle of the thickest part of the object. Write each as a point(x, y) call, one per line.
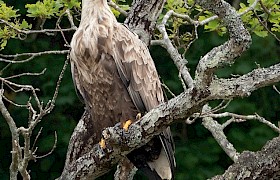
point(102, 143)
point(126, 125)
point(138, 116)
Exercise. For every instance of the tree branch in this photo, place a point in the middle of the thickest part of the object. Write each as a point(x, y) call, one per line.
point(115, 6)
point(30, 56)
point(264, 164)
point(225, 54)
point(15, 137)
point(179, 61)
point(217, 131)
point(244, 85)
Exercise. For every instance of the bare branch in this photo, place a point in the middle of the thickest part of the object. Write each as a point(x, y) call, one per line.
point(13, 103)
point(51, 151)
point(31, 56)
point(217, 131)
point(26, 74)
point(70, 18)
point(51, 104)
point(36, 139)
point(168, 90)
point(10, 121)
point(42, 31)
point(179, 61)
point(116, 7)
point(265, 26)
point(15, 138)
point(250, 8)
point(242, 118)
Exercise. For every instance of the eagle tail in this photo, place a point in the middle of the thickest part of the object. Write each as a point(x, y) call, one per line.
point(148, 172)
point(155, 159)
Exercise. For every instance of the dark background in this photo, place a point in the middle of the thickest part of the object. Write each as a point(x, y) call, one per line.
point(198, 154)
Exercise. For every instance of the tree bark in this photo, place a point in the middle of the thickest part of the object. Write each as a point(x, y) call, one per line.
point(264, 164)
point(142, 18)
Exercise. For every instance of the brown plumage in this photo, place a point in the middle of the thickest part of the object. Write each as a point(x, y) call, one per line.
point(116, 78)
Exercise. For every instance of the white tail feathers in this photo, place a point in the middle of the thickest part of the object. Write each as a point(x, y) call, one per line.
point(162, 166)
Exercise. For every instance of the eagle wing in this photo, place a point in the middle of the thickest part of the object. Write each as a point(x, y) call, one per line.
point(76, 81)
point(137, 71)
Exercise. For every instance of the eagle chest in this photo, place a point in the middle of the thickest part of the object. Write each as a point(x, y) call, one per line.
point(107, 95)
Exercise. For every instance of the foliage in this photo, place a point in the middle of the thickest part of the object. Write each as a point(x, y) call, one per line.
point(198, 155)
point(266, 12)
point(9, 15)
point(122, 4)
point(263, 19)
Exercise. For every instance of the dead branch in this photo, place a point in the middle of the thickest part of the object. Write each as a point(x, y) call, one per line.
point(22, 155)
point(217, 131)
point(30, 56)
point(179, 61)
point(253, 165)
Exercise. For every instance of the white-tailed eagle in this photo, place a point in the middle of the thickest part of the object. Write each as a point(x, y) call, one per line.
point(116, 77)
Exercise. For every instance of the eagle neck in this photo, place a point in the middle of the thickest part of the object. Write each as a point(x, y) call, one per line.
point(94, 9)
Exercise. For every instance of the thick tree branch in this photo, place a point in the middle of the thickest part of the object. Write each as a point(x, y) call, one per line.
point(264, 164)
point(244, 85)
point(225, 54)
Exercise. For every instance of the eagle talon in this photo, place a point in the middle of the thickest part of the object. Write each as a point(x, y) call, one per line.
point(126, 125)
point(138, 116)
point(102, 143)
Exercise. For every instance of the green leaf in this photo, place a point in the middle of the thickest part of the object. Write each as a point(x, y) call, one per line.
point(45, 9)
point(70, 3)
point(25, 25)
point(6, 13)
point(261, 33)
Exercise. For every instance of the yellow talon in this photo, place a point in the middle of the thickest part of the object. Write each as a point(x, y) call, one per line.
point(138, 116)
point(127, 124)
point(102, 143)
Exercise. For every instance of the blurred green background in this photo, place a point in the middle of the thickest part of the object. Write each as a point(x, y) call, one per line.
point(198, 155)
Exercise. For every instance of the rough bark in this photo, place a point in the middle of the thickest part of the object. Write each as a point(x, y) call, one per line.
point(86, 160)
point(264, 164)
point(141, 22)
